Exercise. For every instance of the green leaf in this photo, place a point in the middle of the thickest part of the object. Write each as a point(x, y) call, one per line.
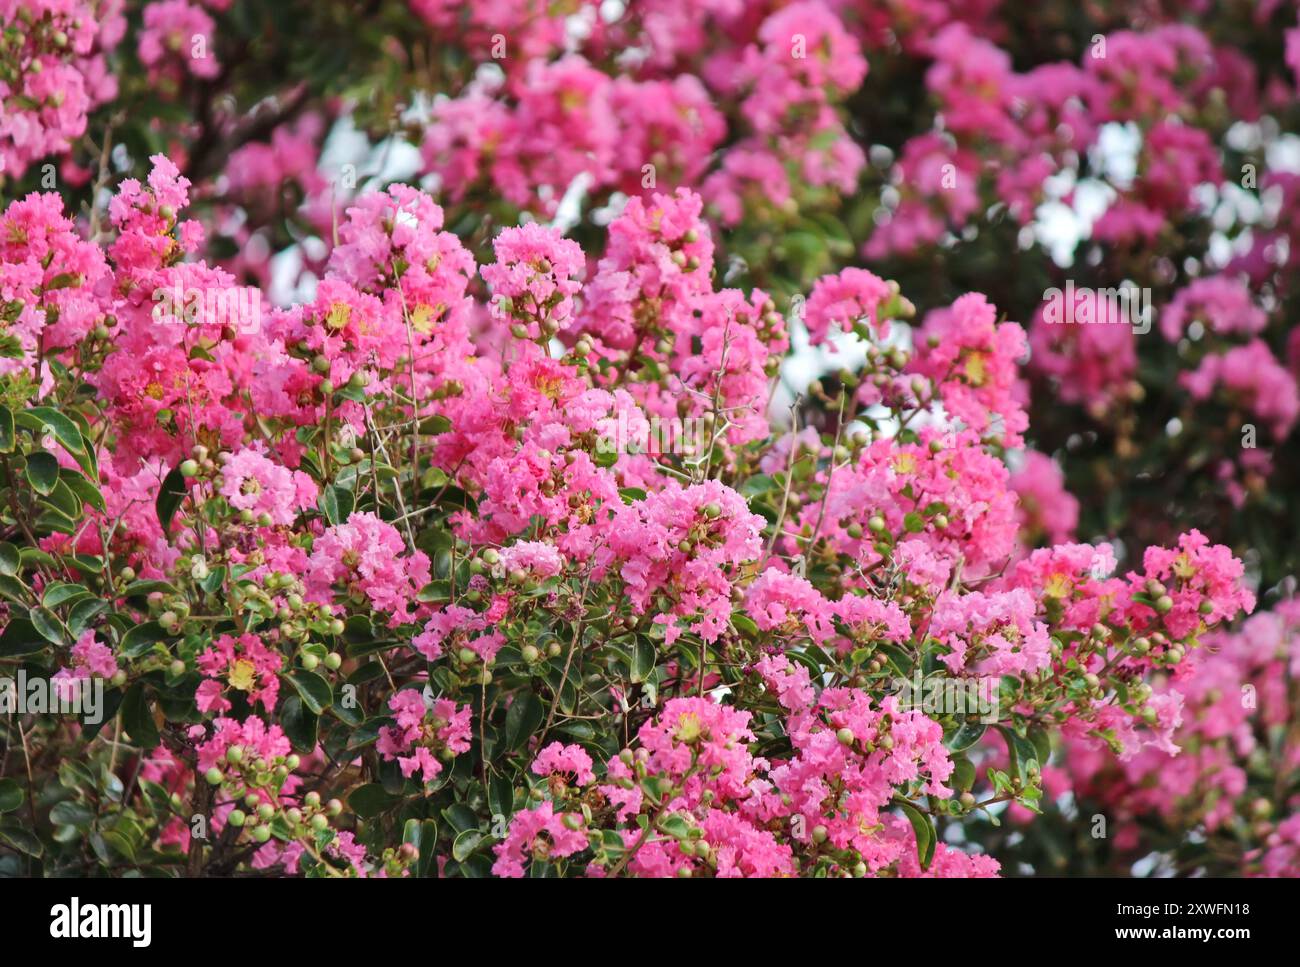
point(675, 826)
point(966, 735)
point(435, 591)
point(315, 691)
point(20, 839)
point(465, 844)
point(169, 498)
point(913, 522)
point(1042, 743)
point(501, 796)
point(63, 500)
point(299, 724)
point(42, 472)
point(54, 520)
point(963, 773)
point(83, 613)
point(435, 425)
point(140, 639)
point(64, 430)
point(13, 589)
point(140, 589)
point(59, 593)
point(522, 719)
point(11, 795)
point(10, 561)
point(47, 625)
point(371, 799)
point(137, 717)
point(84, 489)
point(20, 638)
point(64, 280)
point(1021, 750)
point(336, 504)
point(926, 837)
point(7, 433)
point(460, 816)
point(423, 835)
point(214, 580)
point(643, 659)
point(70, 813)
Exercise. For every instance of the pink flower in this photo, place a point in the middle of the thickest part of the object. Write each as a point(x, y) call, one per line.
point(1250, 375)
point(541, 834)
point(423, 734)
point(244, 664)
point(532, 557)
point(1196, 575)
point(176, 33)
point(90, 659)
point(250, 481)
point(789, 605)
point(973, 363)
point(645, 544)
point(368, 555)
point(790, 681)
point(533, 279)
point(560, 759)
point(1222, 304)
point(842, 300)
point(995, 632)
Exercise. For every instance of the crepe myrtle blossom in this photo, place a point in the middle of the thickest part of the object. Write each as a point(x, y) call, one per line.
point(424, 734)
point(376, 596)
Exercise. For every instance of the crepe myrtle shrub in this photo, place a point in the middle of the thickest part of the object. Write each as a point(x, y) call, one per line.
point(366, 591)
point(386, 573)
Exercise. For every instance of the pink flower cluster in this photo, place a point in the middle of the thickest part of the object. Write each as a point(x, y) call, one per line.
point(56, 73)
point(423, 733)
